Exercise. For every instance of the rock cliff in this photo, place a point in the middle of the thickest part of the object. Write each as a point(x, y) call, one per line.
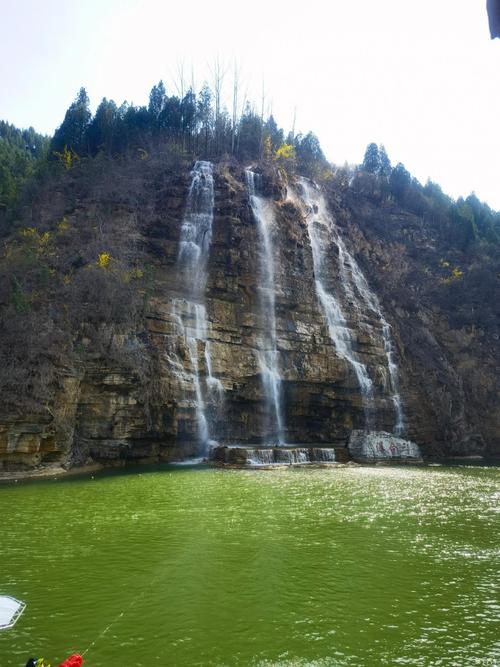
point(141, 404)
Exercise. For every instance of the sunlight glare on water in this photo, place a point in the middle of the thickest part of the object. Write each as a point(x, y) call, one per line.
point(307, 567)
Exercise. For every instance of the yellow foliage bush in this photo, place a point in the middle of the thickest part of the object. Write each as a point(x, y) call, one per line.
point(285, 152)
point(452, 273)
point(67, 158)
point(33, 236)
point(103, 260)
point(64, 225)
point(136, 273)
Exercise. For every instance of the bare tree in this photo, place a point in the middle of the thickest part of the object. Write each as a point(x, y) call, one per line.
point(243, 105)
point(263, 100)
point(218, 71)
point(293, 122)
point(236, 81)
point(180, 78)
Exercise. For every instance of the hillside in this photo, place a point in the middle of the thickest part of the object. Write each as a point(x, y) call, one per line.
point(94, 366)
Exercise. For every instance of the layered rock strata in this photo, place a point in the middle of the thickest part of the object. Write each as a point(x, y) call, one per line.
point(106, 411)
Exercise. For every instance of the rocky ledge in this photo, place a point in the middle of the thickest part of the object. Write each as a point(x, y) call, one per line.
point(373, 447)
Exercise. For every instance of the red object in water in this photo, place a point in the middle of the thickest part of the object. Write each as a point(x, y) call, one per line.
point(74, 660)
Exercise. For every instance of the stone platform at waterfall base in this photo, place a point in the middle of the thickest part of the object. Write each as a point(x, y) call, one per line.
point(262, 455)
point(363, 447)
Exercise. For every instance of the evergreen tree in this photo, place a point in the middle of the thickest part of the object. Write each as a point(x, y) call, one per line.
point(371, 161)
point(21, 151)
point(157, 100)
point(104, 130)
point(205, 116)
point(249, 134)
point(274, 133)
point(462, 216)
point(137, 124)
point(310, 157)
point(384, 166)
point(400, 182)
point(170, 118)
point(188, 114)
point(72, 131)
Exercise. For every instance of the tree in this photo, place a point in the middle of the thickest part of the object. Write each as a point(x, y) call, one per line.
point(310, 157)
point(72, 131)
point(371, 161)
point(218, 72)
point(21, 151)
point(400, 181)
point(171, 116)
point(234, 115)
point(483, 218)
point(136, 125)
point(285, 156)
point(273, 132)
point(105, 128)
point(205, 115)
point(249, 134)
point(188, 115)
point(384, 168)
point(462, 216)
point(157, 100)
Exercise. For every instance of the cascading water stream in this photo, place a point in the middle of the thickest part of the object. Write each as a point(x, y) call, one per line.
point(319, 226)
point(190, 312)
point(267, 355)
point(372, 302)
point(353, 281)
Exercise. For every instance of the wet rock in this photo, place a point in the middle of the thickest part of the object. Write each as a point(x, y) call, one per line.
point(370, 447)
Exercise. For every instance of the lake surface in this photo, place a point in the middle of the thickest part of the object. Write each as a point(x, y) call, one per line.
point(305, 566)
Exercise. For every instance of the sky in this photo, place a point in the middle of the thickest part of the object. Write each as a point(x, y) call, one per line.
point(420, 77)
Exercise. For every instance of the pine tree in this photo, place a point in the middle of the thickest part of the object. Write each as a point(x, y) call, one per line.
point(157, 100)
point(371, 161)
point(384, 167)
point(71, 133)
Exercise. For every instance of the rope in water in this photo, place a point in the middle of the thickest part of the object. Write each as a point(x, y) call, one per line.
point(122, 613)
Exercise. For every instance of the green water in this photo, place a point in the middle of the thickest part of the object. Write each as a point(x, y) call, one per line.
point(338, 566)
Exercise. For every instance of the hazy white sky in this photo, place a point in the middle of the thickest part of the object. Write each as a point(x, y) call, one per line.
point(421, 77)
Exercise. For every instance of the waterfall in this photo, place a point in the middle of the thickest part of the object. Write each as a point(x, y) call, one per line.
point(353, 276)
point(356, 287)
point(320, 229)
point(190, 312)
point(267, 355)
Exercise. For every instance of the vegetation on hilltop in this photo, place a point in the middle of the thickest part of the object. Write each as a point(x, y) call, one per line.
point(447, 250)
point(21, 151)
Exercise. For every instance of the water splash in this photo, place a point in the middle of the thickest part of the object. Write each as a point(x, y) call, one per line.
point(267, 355)
point(190, 312)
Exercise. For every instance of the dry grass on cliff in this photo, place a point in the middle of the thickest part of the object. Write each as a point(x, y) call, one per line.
point(74, 274)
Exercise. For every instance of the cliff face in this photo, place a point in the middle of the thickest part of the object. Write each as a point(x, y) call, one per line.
point(447, 329)
point(108, 408)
